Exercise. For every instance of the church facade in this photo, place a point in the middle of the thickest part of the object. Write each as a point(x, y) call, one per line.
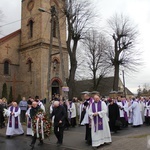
point(24, 53)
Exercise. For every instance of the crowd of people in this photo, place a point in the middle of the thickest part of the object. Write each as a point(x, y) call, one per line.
point(100, 116)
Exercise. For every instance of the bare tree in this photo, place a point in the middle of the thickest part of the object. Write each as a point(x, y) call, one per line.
point(96, 45)
point(123, 52)
point(78, 15)
point(145, 91)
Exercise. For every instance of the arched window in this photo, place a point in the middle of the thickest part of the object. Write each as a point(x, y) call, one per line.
point(29, 63)
point(31, 28)
point(30, 25)
point(6, 67)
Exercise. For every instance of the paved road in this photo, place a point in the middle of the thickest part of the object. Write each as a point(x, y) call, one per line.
point(127, 139)
point(22, 143)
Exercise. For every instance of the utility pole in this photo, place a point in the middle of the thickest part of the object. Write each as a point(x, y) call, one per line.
point(52, 11)
point(60, 49)
point(64, 88)
point(124, 87)
point(54, 17)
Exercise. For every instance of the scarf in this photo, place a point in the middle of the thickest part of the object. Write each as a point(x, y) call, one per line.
point(16, 118)
point(100, 121)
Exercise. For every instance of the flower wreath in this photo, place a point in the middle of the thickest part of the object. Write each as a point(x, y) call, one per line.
point(41, 125)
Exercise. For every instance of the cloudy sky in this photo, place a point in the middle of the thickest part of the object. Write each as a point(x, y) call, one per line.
point(137, 10)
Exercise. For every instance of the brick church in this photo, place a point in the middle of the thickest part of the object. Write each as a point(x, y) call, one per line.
point(24, 53)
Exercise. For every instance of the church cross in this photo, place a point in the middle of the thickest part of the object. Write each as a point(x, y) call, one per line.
point(14, 82)
point(100, 123)
point(8, 47)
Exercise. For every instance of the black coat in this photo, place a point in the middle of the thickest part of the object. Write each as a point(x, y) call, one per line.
point(60, 114)
point(113, 112)
point(34, 111)
point(1, 108)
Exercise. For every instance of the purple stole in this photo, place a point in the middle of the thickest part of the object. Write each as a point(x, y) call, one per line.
point(125, 113)
point(147, 113)
point(16, 118)
point(90, 101)
point(29, 122)
point(100, 121)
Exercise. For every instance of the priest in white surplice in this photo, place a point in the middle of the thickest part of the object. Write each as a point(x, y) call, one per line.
point(137, 117)
point(29, 122)
point(99, 122)
point(14, 126)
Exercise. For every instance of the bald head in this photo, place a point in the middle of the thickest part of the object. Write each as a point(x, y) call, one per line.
point(56, 103)
point(34, 104)
point(15, 104)
point(96, 98)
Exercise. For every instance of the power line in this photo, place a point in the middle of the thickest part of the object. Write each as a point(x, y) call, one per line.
point(17, 20)
point(10, 23)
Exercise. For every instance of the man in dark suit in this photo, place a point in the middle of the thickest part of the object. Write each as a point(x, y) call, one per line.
point(59, 121)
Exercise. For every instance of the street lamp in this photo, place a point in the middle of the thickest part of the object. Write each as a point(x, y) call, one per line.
point(42, 9)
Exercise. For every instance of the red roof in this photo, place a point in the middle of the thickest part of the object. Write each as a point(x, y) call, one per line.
point(7, 37)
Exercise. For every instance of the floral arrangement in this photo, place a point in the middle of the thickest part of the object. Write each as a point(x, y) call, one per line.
point(41, 125)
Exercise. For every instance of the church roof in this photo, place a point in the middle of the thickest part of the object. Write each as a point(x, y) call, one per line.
point(128, 91)
point(105, 86)
point(10, 36)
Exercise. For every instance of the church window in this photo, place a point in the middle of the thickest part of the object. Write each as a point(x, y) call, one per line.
point(29, 63)
point(6, 67)
point(30, 28)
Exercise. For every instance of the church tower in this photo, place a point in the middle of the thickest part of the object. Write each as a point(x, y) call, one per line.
point(34, 48)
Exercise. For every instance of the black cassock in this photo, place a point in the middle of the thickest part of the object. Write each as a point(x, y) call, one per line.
point(113, 116)
point(1, 116)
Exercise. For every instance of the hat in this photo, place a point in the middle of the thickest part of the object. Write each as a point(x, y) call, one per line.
point(94, 92)
point(85, 92)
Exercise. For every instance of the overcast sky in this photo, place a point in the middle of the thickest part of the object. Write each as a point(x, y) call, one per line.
point(137, 10)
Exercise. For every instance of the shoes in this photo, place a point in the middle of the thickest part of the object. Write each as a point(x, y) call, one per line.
point(88, 142)
point(59, 143)
point(22, 134)
point(41, 143)
point(8, 136)
point(32, 146)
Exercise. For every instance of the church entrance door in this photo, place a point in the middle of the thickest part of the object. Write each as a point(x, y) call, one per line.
point(55, 87)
